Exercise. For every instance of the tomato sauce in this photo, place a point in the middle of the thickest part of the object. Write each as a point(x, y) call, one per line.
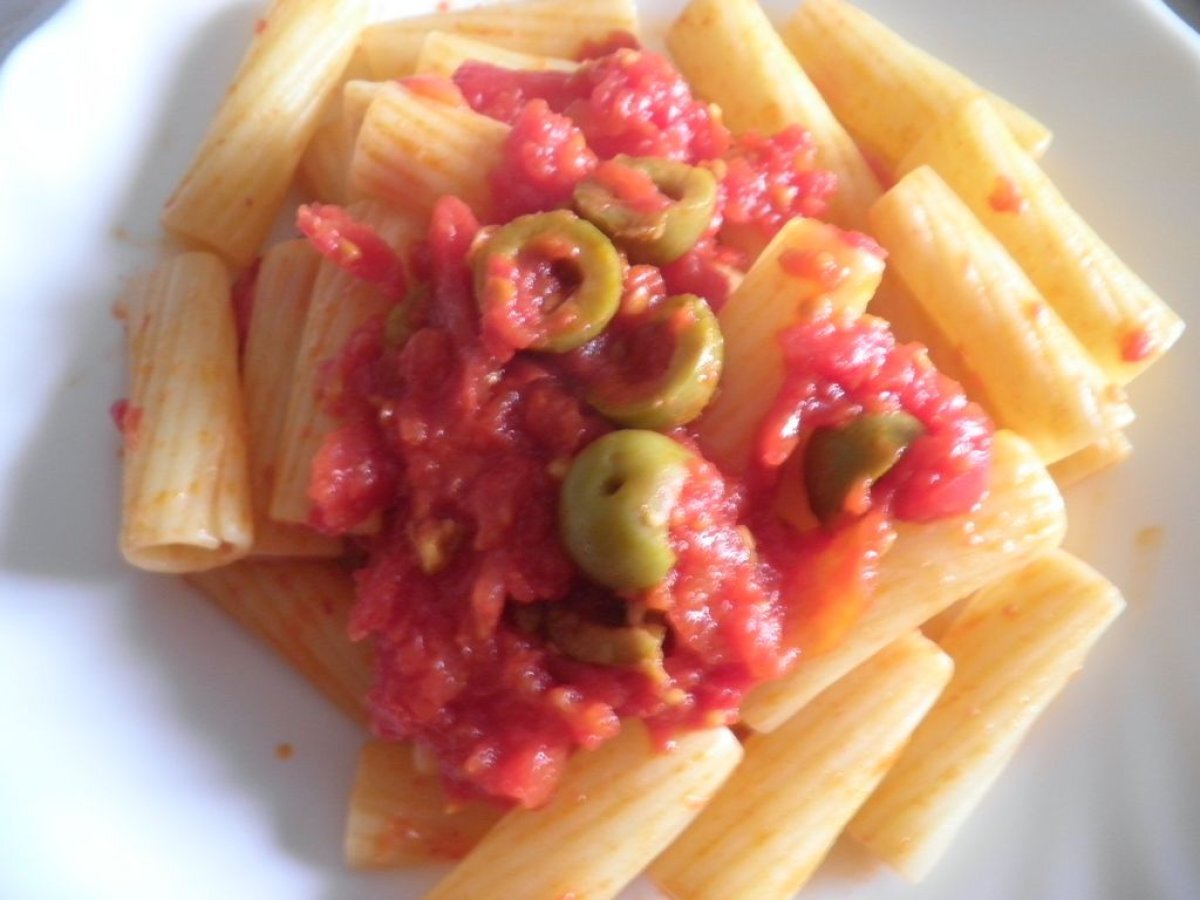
point(1137, 345)
point(841, 366)
point(1006, 197)
point(457, 440)
point(128, 419)
point(544, 157)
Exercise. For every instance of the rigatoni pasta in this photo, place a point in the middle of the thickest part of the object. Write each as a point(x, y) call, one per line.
point(928, 569)
point(469, 635)
point(443, 52)
point(235, 187)
point(618, 807)
point(338, 306)
point(282, 292)
point(185, 504)
point(883, 89)
point(1038, 379)
point(1014, 646)
point(325, 165)
point(1107, 451)
point(732, 55)
point(544, 27)
point(300, 609)
point(773, 822)
point(357, 95)
point(785, 283)
point(910, 321)
point(412, 149)
point(400, 815)
point(1120, 321)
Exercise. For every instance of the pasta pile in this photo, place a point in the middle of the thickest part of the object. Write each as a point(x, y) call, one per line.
point(892, 736)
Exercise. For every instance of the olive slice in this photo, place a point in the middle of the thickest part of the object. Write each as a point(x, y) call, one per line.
point(677, 394)
point(658, 232)
point(615, 507)
point(841, 464)
point(576, 266)
point(604, 645)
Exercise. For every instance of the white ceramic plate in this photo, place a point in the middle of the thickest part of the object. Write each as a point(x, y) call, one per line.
point(139, 728)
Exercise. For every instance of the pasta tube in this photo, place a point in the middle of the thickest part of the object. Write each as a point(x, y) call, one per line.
point(340, 304)
point(325, 165)
point(356, 100)
point(233, 191)
point(1014, 647)
point(882, 88)
point(545, 27)
point(400, 815)
point(773, 296)
point(1036, 378)
point(185, 502)
point(910, 322)
point(769, 827)
point(732, 55)
point(443, 52)
point(928, 568)
point(1107, 451)
point(330, 154)
point(281, 295)
point(616, 809)
point(412, 150)
point(301, 610)
point(1119, 320)
point(935, 626)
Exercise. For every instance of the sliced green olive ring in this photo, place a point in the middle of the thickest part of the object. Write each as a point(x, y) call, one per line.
point(615, 507)
point(680, 393)
point(563, 241)
point(839, 461)
point(658, 236)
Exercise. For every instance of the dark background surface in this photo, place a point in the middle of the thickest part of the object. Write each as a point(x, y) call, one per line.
point(1188, 10)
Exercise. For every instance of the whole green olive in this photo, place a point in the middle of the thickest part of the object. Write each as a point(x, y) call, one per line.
point(615, 507)
point(660, 233)
point(841, 461)
point(577, 267)
point(677, 394)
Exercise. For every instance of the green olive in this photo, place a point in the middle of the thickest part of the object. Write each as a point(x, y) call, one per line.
point(604, 645)
point(678, 394)
point(584, 268)
point(839, 462)
point(615, 507)
point(657, 236)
